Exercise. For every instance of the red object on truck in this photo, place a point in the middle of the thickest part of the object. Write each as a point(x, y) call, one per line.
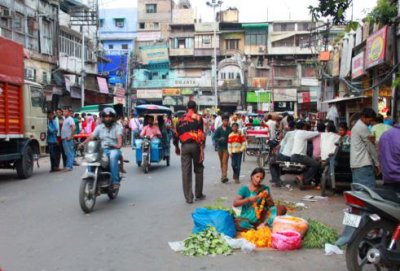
point(11, 88)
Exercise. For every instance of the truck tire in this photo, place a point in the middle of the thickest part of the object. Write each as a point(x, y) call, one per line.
point(24, 165)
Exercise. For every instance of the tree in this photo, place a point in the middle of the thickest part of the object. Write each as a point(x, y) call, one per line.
point(332, 9)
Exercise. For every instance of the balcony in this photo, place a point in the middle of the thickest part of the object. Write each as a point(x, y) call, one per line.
point(181, 52)
point(205, 52)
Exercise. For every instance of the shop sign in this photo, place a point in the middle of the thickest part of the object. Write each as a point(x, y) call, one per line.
point(206, 100)
point(230, 96)
point(172, 101)
point(187, 91)
point(260, 97)
point(76, 93)
point(149, 93)
point(102, 83)
point(119, 95)
point(285, 95)
point(336, 63)
point(311, 82)
point(186, 82)
point(357, 65)
point(154, 54)
point(148, 36)
point(310, 96)
point(171, 92)
point(376, 48)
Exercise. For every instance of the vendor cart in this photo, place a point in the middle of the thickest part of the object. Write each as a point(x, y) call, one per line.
point(258, 145)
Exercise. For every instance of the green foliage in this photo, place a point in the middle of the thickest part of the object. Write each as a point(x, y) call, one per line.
point(333, 9)
point(396, 82)
point(384, 13)
point(218, 205)
point(207, 242)
point(318, 235)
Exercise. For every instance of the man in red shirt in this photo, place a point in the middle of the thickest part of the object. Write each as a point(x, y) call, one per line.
point(189, 132)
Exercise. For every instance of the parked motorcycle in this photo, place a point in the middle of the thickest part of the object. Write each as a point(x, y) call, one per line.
point(96, 183)
point(372, 229)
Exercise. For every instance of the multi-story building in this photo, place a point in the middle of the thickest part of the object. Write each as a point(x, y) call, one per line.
point(33, 24)
point(117, 34)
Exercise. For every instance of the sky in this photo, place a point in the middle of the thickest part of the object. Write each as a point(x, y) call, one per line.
point(258, 10)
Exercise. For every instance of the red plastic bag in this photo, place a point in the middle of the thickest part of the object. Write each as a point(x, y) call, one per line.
point(288, 240)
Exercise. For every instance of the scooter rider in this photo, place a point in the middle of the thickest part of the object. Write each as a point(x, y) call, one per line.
point(110, 134)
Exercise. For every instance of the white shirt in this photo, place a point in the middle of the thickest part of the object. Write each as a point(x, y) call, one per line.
point(328, 144)
point(287, 143)
point(300, 141)
point(218, 122)
point(272, 128)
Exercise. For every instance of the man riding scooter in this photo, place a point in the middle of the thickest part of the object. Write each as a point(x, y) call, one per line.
point(110, 134)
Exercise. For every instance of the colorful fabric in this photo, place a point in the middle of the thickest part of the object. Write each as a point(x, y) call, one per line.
point(248, 218)
point(190, 129)
point(236, 143)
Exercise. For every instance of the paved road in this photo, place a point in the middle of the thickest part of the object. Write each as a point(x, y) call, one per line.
point(43, 228)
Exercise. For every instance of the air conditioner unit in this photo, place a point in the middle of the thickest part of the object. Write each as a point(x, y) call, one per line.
point(6, 13)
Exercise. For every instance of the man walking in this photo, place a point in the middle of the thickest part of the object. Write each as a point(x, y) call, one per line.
point(52, 142)
point(67, 134)
point(363, 154)
point(221, 139)
point(189, 132)
point(236, 146)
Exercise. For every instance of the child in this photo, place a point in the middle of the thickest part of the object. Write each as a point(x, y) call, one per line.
point(236, 146)
point(221, 139)
point(258, 208)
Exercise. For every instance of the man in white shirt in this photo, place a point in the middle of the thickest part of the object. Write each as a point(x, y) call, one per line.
point(284, 154)
point(135, 126)
point(299, 153)
point(272, 127)
point(218, 121)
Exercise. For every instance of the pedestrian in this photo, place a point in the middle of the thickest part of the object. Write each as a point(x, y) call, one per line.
point(67, 135)
point(221, 139)
point(218, 120)
point(379, 128)
point(271, 124)
point(59, 120)
point(189, 132)
point(316, 141)
point(388, 120)
point(135, 126)
point(389, 153)
point(89, 124)
point(77, 121)
point(236, 146)
point(52, 142)
point(363, 154)
point(299, 153)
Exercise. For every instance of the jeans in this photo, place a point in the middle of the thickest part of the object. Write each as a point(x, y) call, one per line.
point(312, 166)
point(223, 159)
point(54, 153)
point(236, 164)
point(68, 146)
point(364, 175)
point(275, 169)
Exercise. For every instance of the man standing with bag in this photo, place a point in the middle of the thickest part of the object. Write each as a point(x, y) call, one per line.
point(189, 132)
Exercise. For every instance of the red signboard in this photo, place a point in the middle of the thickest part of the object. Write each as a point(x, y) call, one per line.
point(357, 65)
point(376, 48)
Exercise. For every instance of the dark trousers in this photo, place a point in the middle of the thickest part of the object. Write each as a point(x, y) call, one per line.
point(236, 162)
point(61, 153)
point(312, 166)
point(54, 154)
point(274, 167)
point(190, 158)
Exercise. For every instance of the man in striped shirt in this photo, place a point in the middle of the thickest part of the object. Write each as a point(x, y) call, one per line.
point(236, 146)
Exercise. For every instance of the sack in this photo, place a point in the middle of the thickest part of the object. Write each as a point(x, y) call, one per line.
point(220, 219)
point(290, 223)
point(288, 240)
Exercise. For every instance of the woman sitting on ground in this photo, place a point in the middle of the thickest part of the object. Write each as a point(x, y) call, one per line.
point(258, 208)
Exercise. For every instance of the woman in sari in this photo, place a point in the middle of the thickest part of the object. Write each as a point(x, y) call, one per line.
point(258, 208)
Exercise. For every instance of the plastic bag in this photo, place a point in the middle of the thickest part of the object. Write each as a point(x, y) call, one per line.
point(290, 223)
point(288, 240)
point(220, 219)
point(241, 243)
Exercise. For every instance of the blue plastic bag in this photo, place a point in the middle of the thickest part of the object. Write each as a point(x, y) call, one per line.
point(220, 219)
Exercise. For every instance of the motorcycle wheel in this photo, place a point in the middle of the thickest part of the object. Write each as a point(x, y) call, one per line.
point(372, 234)
point(146, 166)
point(86, 200)
point(112, 193)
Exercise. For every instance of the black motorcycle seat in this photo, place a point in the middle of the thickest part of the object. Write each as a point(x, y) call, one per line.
point(388, 194)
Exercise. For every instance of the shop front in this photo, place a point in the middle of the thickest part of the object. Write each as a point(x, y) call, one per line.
point(259, 100)
point(149, 96)
point(229, 100)
point(285, 100)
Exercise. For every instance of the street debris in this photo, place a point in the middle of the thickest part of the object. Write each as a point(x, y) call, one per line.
point(332, 249)
point(313, 198)
point(291, 206)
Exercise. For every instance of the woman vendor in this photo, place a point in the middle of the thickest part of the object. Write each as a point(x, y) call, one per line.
point(258, 208)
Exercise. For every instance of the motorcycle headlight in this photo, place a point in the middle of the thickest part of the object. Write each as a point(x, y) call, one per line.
point(104, 161)
point(91, 157)
point(91, 147)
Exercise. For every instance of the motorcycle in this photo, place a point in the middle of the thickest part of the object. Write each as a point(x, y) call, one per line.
point(372, 229)
point(96, 183)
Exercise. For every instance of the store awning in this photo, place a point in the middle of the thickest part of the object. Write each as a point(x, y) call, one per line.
point(344, 99)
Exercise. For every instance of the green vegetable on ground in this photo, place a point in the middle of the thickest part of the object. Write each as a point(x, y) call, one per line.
point(318, 235)
point(218, 205)
point(207, 242)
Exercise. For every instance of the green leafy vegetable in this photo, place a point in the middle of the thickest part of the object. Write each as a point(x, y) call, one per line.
point(318, 235)
point(207, 242)
point(218, 205)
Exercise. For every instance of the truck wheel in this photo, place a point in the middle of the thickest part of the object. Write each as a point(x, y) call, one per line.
point(25, 164)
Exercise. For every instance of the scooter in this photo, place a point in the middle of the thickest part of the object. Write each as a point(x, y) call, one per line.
point(372, 229)
point(98, 182)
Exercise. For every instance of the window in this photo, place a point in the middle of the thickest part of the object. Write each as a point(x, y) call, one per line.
point(36, 97)
point(142, 25)
point(151, 8)
point(110, 46)
point(32, 26)
point(305, 26)
point(44, 78)
point(124, 46)
point(284, 27)
point(223, 75)
point(47, 38)
point(119, 22)
point(18, 22)
point(156, 25)
point(101, 22)
point(231, 44)
point(288, 42)
point(231, 75)
point(256, 38)
point(206, 40)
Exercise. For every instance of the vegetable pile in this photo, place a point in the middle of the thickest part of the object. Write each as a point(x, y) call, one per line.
point(261, 237)
point(207, 242)
point(318, 235)
point(218, 205)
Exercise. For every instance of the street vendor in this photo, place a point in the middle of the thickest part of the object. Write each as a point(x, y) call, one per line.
point(258, 208)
